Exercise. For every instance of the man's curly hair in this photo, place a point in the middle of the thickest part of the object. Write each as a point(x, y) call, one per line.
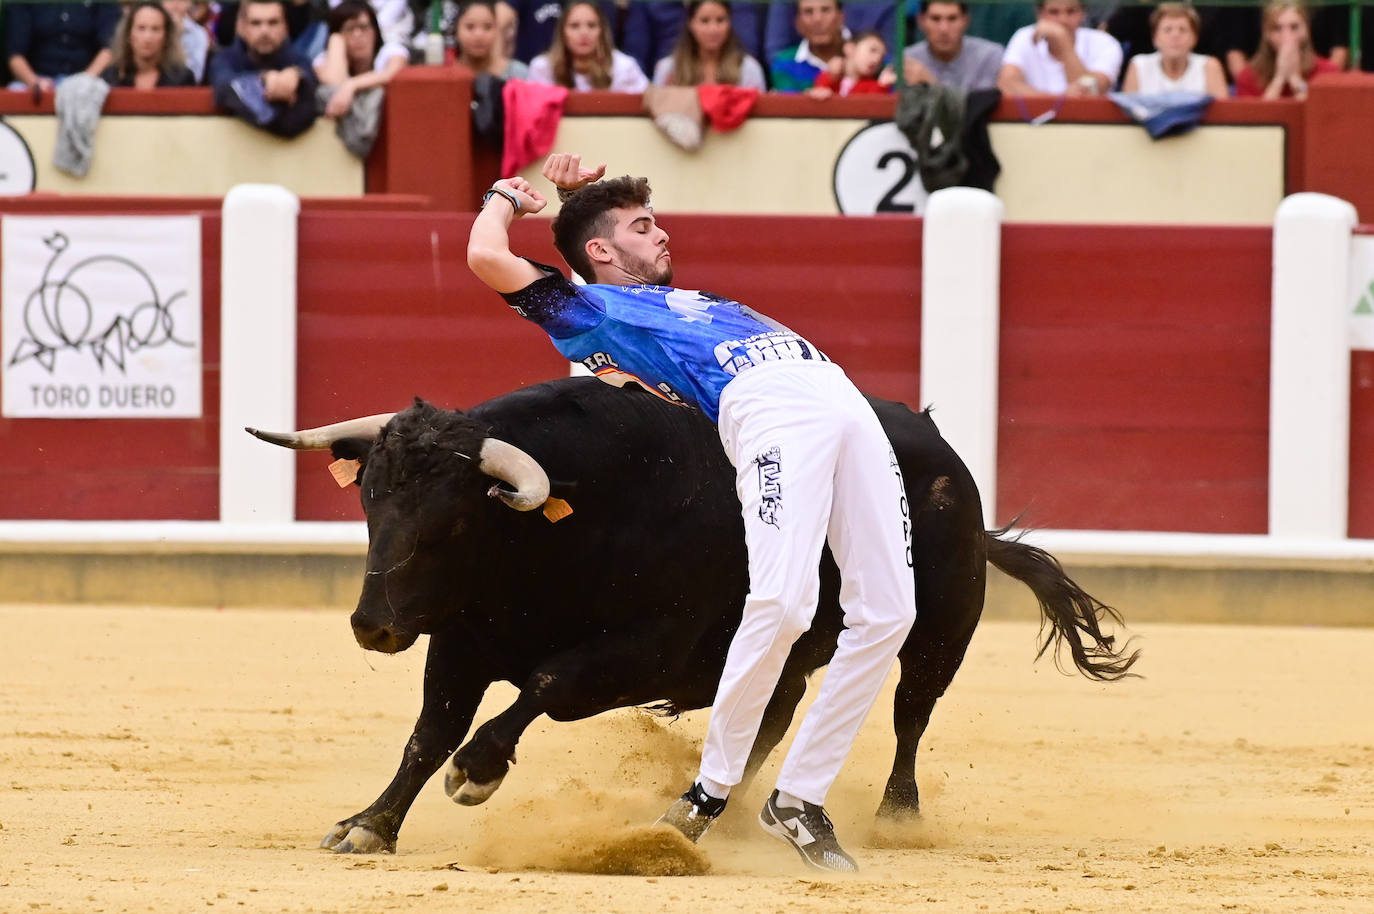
point(586, 214)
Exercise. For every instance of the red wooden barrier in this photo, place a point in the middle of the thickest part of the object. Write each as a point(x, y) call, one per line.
point(1134, 378)
point(1134, 361)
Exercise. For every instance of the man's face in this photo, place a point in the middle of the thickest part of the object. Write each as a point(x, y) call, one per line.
point(944, 25)
point(262, 27)
point(640, 248)
point(1068, 13)
point(819, 21)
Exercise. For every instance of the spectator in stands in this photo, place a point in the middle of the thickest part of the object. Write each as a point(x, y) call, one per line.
point(355, 58)
point(1285, 62)
point(481, 47)
point(708, 52)
point(582, 56)
point(780, 28)
point(46, 42)
point(395, 18)
point(1173, 67)
point(821, 25)
point(146, 52)
point(948, 55)
point(306, 31)
point(194, 38)
point(859, 72)
point(260, 77)
point(1057, 56)
point(537, 25)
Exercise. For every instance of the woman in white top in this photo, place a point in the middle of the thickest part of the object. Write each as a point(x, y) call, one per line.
point(581, 56)
point(1173, 67)
point(354, 57)
point(708, 51)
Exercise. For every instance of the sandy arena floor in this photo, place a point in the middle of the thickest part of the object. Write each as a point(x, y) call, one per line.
point(179, 760)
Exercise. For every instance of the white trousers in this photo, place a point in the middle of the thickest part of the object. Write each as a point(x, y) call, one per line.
point(811, 463)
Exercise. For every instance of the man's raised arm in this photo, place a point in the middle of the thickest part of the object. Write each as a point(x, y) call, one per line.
point(489, 253)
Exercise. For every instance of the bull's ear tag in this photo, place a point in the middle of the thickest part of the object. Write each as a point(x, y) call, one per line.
point(555, 509)
point(344, 471)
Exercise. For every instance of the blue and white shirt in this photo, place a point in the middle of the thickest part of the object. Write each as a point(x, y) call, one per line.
point(682, 345)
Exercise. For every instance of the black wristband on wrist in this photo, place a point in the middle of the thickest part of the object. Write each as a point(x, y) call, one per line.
point(507, 195)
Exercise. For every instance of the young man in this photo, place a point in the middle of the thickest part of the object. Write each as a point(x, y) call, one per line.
point(260, 77)
point(812, 463)
point(1057, 56)
point(948, 56)
point(821, 26)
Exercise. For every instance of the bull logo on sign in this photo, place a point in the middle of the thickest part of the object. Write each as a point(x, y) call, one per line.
point(117, 313)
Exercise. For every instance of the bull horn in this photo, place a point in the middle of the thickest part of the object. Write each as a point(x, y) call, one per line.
point(315, 439)
point(513, 466)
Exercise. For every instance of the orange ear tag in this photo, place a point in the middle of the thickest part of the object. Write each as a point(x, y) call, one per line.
point(555, 509)
point(344, 471)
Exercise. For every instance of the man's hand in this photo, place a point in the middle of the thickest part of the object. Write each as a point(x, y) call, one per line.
point(566, 172)
point(914, 72)
point(281, 85)
point(1058, 38)
point(531, 200)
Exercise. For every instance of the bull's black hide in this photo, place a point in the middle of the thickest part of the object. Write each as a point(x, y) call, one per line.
point(633, 599)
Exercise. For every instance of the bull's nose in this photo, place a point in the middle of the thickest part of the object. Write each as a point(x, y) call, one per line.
point(375, 637)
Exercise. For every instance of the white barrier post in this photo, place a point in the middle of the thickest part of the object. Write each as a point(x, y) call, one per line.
point(257, 482)
point(961, 269)
point(1309, 371)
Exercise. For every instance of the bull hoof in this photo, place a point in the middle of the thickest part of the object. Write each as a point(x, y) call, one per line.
point(898, 810)
point(465, 792)
point(349, 838)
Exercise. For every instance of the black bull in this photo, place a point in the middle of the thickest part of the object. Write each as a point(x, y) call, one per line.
point(634, 598)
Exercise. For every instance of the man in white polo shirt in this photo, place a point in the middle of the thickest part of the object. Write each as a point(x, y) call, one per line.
point(1057, 56)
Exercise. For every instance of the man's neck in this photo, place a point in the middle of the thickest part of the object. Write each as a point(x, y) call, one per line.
point(946, 58)
point(828, 49)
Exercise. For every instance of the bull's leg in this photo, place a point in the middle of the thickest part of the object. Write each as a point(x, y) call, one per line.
point(929, 661)
point(613, 672)
point(452, 692)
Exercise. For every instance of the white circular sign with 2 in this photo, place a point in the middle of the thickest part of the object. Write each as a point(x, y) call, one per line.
point(876, 173)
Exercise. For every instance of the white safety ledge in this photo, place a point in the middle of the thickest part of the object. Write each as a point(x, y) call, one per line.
point(1203, 550)
point(1076, 547)
point(183, 537)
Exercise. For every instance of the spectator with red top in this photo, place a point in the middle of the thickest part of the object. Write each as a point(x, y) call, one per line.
point(1285, 62)
point(859, 72)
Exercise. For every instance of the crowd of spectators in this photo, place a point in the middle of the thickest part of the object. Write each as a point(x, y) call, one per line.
point(281, 63)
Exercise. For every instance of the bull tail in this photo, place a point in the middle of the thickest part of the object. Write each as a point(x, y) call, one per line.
point(1073, 615)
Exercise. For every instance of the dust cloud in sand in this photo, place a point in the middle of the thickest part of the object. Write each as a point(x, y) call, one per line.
point(176, 760)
